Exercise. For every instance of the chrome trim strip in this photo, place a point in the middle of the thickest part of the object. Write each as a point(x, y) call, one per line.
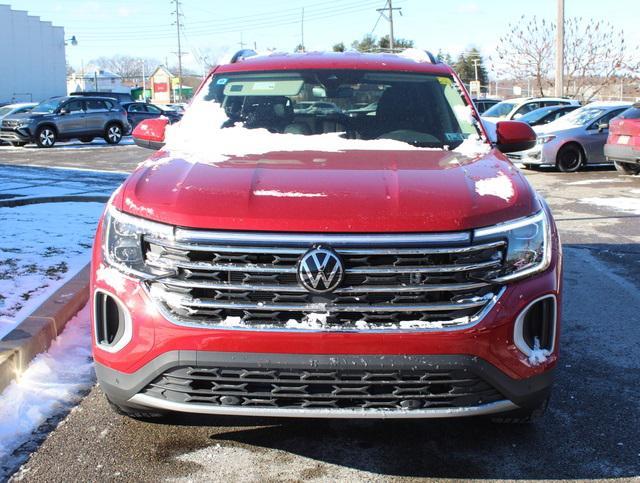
point(299, 251)
point(320, 307)
point(128, 326)
point(262, 268)
point(518, 337)
point(335, 240)
point(451, 287)
point(156, 403)
point(272, 328)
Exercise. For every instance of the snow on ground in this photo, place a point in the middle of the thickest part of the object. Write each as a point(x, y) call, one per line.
point(596, 181)
point(52, 384)
point(624, 204)
point(41, 246)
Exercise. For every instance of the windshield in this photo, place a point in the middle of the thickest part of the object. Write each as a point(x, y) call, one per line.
point(5, 110)
point(584, 115)
point(536, 115)
point(419, 109)
point(501, 109)
point(50, 105)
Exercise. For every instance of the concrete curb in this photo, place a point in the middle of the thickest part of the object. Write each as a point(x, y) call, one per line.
point(35, 333)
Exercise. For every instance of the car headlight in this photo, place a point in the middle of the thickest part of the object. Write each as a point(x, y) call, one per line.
point(544, 139)
point(528, 246)
point(123, 242)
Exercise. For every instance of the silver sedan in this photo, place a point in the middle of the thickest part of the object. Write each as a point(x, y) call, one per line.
point(574, 140)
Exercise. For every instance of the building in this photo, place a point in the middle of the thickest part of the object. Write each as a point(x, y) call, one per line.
point(96, 80)
point(165, 87)
point(33, 57)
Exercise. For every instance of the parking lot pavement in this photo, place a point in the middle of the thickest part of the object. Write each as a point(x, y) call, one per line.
point(590, 431)
point(99, 155)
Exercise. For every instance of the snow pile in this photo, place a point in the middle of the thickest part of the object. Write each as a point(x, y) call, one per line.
point(200, 138)
point(627, 205)
point(52, 383)
point(538, 356)
point(499, 186)
point(41, 247)
point(417, 55)
point(595, 181)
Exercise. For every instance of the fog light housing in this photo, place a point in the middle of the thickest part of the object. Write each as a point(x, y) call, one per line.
point(112, 322)
point(535, 327)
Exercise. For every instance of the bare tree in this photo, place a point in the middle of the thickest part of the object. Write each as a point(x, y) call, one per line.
point(128, 68)
point(527, 51)
point(596, 55)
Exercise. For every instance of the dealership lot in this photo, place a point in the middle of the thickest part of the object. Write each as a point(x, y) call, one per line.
point(590, 431)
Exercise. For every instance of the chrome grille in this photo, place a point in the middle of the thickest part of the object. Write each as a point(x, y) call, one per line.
point(390, 282)
point(8, 124)
point(332, 389)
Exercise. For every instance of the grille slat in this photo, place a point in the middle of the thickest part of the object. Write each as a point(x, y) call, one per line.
point(303, 388)
point(385, 283)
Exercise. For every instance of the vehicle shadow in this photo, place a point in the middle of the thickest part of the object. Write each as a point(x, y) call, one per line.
point(590, 430)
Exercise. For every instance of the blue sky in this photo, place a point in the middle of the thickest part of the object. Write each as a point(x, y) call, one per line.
point(213, 27)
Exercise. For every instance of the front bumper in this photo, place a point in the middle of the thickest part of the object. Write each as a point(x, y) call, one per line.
point(622, 153)
point(145, 388)
point(11, 136)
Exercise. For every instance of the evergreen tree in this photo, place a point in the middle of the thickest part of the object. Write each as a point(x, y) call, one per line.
point(465, 67)
point(339, 47)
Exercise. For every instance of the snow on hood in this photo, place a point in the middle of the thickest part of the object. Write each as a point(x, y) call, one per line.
point(198, 137)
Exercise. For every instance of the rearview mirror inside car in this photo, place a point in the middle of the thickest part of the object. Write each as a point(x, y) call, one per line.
point(150, 133)
point(513, 136)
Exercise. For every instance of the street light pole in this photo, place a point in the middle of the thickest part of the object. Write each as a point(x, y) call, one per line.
point(559, 91)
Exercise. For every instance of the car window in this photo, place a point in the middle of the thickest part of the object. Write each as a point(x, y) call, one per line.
point(153, 109)
point(501, 109)
point(631, 113)
point(528, 107)
point(606, 118)
point(95, 105)
point(74, 106)
point(24, 109)
point(136, 108)
point(4, 111)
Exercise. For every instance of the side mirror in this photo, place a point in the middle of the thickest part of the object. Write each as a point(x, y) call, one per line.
point(513, 136)
point(150, 133)
point(63, 111)
point(517, 116)
point(603, 126)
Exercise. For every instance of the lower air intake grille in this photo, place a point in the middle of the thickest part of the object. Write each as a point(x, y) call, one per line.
point(322, 389)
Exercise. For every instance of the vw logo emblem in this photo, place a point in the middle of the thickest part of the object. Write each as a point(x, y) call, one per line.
point(320, 270)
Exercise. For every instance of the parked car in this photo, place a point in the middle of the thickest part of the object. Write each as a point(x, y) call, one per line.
point(118, 96)
point(545, 115)
point(64, 118)
point(344, 276)
point(11, 109)
point(516, 108)
point(574, 140)
point(623, 143)
point(139, 111)
point(484, 103)
point(179, 107)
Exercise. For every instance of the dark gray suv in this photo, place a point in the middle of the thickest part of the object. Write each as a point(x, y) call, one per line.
point(64, 118)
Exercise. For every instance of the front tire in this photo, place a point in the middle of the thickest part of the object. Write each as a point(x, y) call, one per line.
point(522, 415)
point(113, 133)
point(135, 413)
point(46, 137)
point(627, 168)
point(569, 158)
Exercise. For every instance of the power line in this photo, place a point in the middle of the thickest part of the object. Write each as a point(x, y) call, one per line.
point(389, 9)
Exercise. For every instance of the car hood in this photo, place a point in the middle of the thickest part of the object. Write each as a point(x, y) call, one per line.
point(558, 128)
point(25, 116)
point(351, 191)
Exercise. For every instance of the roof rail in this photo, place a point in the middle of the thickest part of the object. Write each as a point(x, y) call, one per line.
point(243, 54)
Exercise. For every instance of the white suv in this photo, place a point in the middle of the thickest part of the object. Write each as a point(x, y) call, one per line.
point(516, 108)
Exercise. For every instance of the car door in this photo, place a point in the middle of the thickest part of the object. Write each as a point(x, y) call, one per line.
point(136, 113)
point(152, 111)
point(596, 138)
point(97, 114)
point(71, 118)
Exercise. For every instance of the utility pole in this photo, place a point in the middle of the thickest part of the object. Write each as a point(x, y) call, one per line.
point(178, 26)
point(559, 90)
point(241, 43)
point(302, 31)
point(388, 9)
point(475, 66)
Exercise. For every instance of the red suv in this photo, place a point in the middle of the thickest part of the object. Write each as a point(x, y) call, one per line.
point(386, 262)
point(623, 144)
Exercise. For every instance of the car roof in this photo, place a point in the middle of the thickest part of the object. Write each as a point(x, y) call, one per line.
point(609, 104)
point(335, 60)
point(21, 104)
